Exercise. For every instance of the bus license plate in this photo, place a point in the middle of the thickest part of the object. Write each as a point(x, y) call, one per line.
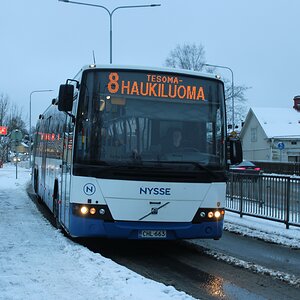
point(156, 234)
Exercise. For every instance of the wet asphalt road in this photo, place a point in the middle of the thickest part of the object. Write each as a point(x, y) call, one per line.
point(191, 270)
point(200, 275)
point(268, 255)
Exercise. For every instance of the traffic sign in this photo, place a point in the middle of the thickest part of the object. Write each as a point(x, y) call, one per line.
point(16, 135)
point(3, 130)
point(280, 146)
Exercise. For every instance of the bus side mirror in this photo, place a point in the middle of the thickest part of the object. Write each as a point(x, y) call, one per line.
point(65, 97)
point(235, 151)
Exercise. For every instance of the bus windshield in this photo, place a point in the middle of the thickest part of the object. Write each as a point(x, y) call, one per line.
point(138, 117)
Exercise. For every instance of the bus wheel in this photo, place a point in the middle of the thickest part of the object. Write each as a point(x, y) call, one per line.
point(36, 185)
point(56, 206)
point(35, 181)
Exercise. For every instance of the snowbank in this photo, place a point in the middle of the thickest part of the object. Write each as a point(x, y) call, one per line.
point(38, 262)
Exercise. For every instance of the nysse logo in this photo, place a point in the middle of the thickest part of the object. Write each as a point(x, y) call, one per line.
point(155, 191)
point(155, 86)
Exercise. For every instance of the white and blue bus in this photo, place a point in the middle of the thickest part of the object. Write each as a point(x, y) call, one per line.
point(134, 153)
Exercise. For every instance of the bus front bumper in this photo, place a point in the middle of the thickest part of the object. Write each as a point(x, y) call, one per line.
point(87, 227)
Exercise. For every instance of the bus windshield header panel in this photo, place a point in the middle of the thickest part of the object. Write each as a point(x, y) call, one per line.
point(134, 117)
point(156, 85)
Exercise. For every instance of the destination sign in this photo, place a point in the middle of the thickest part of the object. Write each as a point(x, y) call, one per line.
point(155, 85)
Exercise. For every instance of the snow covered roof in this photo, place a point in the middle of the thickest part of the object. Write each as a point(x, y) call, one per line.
point(278, 122)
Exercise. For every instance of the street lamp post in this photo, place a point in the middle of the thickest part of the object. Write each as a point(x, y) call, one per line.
point(110, 13)
point(37, 91)
point(232, 87)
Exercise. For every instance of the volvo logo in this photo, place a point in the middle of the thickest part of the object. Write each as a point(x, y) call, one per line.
point(89, 189)
point(154, 210)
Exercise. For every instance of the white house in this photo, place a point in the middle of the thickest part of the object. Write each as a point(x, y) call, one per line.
point(272, 134)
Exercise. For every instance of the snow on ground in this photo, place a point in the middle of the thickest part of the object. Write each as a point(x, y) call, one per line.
point(269, 231)
point(38, 262)
point(266, 230)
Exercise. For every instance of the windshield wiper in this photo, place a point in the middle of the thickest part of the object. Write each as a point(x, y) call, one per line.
point(194, 163)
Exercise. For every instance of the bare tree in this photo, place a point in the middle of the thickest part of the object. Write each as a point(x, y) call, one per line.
point(4, 141)
point(15, 120)
point(192, 57)
point(10, 116)
point(4, 106)
point(239, 103)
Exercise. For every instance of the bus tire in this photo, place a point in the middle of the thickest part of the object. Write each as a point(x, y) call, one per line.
point(56, 205)
point(36, 185)
point(35, 181)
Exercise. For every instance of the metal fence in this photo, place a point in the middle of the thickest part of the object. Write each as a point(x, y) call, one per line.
point(270, 197)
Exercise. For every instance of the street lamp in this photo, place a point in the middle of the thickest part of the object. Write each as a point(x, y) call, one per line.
point(232, 87)
point(38, 91)
point(110, 13)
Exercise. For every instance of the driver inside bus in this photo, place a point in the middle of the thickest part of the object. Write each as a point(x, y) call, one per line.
point(173, 140)
point(176, 138)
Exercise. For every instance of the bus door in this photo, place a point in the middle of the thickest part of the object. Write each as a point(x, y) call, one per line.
point(66, 172)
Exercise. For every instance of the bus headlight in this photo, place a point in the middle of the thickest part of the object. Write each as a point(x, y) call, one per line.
point(102, 211)
point(92, 211)
point(84, 210)
point(210, 214)
point(202, 214)
point(217, 214)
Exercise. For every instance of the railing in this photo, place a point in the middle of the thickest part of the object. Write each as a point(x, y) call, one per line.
point(270, 197)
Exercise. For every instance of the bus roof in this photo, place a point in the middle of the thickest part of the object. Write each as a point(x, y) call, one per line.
point(154, 69)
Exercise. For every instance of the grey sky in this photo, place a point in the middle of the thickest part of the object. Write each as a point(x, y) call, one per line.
point(45, 42)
